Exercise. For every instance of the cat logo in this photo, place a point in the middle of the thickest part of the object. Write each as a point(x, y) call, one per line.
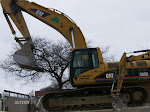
point(109, 75)
point(40, 13)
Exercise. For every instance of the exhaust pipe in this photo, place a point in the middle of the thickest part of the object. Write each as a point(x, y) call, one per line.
point(25, 58)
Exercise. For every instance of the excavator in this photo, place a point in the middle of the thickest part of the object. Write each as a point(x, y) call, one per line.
point(97, 83)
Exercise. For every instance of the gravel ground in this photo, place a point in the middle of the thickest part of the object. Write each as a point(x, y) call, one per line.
point(145, 108)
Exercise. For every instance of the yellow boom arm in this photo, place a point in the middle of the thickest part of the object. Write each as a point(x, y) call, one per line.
point(52, 17)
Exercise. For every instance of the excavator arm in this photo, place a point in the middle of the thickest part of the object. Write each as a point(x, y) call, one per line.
point(121, 72)
point(52, 17)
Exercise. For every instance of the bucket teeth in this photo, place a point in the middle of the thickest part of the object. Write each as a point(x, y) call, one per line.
point(25, 58)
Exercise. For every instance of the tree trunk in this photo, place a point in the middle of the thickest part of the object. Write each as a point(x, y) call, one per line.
point(60, 83)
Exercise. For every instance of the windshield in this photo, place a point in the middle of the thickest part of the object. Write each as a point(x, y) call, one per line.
point(81, 62)
point(81, 59)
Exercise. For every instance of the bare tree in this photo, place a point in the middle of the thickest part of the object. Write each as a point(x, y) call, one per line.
point(53, 57)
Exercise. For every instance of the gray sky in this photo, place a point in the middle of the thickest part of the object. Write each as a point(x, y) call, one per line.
point(122, 24)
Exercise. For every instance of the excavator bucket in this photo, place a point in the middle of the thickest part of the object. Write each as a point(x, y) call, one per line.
point(25, 58)
point(117, 104)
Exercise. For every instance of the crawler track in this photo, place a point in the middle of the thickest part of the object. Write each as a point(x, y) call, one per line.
point(92, 98)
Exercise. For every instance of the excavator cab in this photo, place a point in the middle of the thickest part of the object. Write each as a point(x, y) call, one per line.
point(83, 60)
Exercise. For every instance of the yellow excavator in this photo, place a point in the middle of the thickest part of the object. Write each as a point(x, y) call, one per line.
point(93, 78)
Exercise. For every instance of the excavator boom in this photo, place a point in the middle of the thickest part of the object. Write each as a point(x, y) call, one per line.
point(52, 17)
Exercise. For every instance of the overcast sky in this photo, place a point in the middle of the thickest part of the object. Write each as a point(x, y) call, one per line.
point(122, 24)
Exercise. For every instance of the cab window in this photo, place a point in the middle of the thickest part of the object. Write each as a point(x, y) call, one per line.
point(81, 59)
point(95, 59)
point(81, 62)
